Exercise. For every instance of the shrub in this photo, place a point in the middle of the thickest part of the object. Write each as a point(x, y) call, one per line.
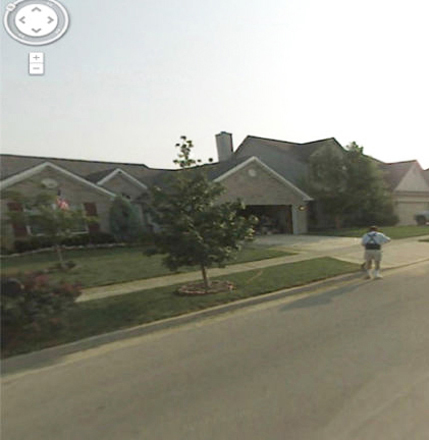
point(33, 303)
point(42, 242)
point(125, 223)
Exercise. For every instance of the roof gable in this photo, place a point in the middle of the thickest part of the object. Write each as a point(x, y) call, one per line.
point(269, 170)
point(37, 169)
point(396, 172)
point(88, 170)
point(413, 180)
point(124, 174)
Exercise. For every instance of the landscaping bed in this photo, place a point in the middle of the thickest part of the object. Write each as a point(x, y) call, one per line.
point(96, 317)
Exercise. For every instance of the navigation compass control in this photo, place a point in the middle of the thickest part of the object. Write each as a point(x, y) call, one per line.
point(36, 22)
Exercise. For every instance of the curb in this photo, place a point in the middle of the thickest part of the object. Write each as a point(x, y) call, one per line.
point(53, 355)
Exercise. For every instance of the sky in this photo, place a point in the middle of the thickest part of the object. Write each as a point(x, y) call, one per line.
point(129, 78)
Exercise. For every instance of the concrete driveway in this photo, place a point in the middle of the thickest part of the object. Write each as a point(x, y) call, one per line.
point(307, 243)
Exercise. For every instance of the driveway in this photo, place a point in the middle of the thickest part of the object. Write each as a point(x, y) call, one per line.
point(307, 243)
point(396, 253)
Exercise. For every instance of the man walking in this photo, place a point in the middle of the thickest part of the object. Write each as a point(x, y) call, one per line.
point(372, 241)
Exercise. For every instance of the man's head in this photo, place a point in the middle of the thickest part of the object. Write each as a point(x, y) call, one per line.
point(373, 228)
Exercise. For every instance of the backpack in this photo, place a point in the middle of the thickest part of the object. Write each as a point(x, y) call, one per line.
point(372, 244)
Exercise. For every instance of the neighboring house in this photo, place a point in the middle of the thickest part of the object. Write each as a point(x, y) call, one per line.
point(266, 174)
point(90, 186)
point(409, 184)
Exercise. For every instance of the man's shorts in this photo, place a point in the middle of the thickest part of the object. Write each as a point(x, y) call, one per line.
point(373, 254)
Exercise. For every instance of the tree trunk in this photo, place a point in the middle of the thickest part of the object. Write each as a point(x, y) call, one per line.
point(205, 278)
point(338, 221)
point(60, 256)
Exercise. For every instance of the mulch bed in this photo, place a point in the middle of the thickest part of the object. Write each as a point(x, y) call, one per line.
point(198, 288)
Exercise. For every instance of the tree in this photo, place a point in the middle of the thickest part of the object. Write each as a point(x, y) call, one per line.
point(350, 186)
point(327, 181)
point(50, 215)
point(194, 229)
point(370, 200)
point(125, 223)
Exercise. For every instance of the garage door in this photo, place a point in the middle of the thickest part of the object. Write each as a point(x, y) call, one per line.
point(407, 211)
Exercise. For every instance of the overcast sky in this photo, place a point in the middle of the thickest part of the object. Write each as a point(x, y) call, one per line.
point(129, 78)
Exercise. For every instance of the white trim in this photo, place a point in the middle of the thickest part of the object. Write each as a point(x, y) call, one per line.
point(125, 174)
point(276, 175)
point(39, 168)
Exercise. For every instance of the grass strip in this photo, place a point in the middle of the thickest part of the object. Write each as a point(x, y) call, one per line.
point(101, 267)
point(114, 313)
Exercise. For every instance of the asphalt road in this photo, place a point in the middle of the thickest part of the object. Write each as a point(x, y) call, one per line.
point(341, 364)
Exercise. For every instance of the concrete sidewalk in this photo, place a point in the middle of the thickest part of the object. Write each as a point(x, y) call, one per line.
point(397, 253)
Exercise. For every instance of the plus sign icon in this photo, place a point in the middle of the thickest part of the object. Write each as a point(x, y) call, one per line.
point(36, 22)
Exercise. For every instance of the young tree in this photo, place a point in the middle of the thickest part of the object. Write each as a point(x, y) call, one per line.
point(50, 214)
point(125, 223)
point(194, 229)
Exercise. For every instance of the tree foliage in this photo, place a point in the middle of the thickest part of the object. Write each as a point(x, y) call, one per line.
point(49, 215)
point(350, 186)
point(194, 228)
point(125, 223)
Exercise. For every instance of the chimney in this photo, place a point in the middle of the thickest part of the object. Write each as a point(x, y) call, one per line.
point(224, 145)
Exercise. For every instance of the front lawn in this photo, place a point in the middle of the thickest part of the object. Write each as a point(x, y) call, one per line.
point(394, 232)
point(99, 267)
point(96, 317)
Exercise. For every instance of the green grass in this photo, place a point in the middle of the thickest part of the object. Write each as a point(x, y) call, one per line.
point(109, 314)
point(99, 267)
point(394, 232)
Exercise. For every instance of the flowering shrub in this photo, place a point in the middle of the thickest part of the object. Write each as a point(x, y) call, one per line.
point(33, 302)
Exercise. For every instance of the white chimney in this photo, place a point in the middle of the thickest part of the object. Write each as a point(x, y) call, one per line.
point(224, 145)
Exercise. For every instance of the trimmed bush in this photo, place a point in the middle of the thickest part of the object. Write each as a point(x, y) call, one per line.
point(41, 242)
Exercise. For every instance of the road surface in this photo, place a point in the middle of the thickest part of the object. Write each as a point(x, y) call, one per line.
point(348, 363)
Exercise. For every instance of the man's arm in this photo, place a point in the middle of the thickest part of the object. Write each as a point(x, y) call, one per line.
point(384, 238)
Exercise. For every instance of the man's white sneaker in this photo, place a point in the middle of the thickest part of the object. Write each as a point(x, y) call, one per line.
point(377, 275)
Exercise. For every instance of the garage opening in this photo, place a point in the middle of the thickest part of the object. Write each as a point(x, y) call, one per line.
point(273, 219)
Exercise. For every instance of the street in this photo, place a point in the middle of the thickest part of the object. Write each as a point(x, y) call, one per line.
point(345, 363)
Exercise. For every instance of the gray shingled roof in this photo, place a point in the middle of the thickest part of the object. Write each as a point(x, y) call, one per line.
point(395, 172)
point(288, 159)
point(90, 170)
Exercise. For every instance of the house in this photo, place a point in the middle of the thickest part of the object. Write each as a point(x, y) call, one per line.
point(266, 174)
point(409, 184)
point(92, 186)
